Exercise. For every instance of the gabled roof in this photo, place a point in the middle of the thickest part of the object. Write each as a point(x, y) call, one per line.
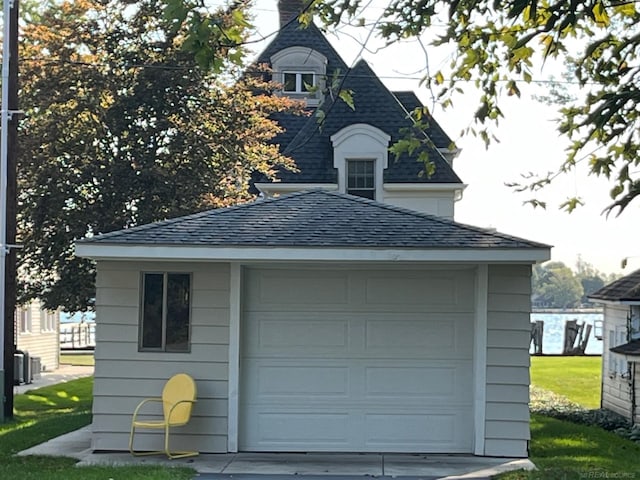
point(308, 141)
point(315, 220)
point(374, 105)
point(623, 290)
point(295, 34)
point(436, 133)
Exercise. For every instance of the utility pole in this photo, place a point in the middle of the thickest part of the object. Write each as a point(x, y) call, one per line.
point(8, 203)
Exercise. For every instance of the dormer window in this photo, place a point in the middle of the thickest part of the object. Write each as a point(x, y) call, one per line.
point(361, 180)
point(297, 82)
point(302, 72)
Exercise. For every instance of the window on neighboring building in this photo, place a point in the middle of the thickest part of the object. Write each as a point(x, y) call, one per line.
point(298, 82)
point(48, 321)
point(361, 178)
point(634, 323)
point(23, 318)
point(166, 312)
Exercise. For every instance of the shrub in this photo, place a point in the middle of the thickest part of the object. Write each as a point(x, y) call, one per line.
point(556, 406)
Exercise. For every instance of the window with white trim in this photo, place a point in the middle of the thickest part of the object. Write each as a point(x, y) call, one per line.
point(634, 323)
point(302, 72)
point(48, 320)
point(299, 82)
point(361, 179)
point(165, 319)
point(23, 318)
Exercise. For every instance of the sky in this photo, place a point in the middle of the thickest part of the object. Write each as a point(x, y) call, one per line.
point(529, 142)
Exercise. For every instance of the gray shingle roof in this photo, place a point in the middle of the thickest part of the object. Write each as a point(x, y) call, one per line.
point(308, 142)
point(631, 348)
point(436, 133)
point(314, 219)
point(625, 289)
point(374, 105)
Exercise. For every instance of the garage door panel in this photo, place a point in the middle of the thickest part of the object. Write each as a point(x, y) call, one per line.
point(302, 381)
point(299, 334)
point(290, 428)
point(445, 383)
point(412, 291)
point(417, 432)
point(275, 289)
point(372, 374)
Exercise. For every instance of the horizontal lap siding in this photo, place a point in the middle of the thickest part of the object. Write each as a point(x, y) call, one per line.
point(124, 376)
point(508, 335)
point(616, 391)
point(38, 343)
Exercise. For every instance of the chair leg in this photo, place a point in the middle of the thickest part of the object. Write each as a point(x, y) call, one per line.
point(132, 451)
point(171, 454)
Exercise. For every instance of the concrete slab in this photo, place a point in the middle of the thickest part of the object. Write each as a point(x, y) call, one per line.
point(284, 466)
point(306, 464)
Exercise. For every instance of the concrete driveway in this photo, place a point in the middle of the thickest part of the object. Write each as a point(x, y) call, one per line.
point(283, 466)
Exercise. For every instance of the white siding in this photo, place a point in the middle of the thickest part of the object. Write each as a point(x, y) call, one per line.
point(38, 341)
point(124, 376)
point(616, 390)
point(508, 334)
point(441, 204)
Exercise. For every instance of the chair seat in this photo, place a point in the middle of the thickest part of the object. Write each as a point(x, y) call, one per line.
point(178, 397)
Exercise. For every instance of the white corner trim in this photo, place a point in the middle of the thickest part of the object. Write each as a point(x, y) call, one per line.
point(480, 359)
point(269, 189)
point(235, 286)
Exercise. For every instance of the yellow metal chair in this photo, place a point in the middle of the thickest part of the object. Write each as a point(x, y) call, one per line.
point(178, 397)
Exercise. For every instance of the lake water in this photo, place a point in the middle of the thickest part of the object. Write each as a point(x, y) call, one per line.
point(552, 340)
point(553, 336)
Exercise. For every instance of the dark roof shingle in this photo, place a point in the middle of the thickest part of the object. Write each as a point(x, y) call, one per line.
point(314, 219)
point(625, 289)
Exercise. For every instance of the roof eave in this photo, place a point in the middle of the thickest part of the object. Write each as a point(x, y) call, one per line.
point(621, 301)
point(150, 252)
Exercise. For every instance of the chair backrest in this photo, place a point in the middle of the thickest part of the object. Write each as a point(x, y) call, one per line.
point(179, 387)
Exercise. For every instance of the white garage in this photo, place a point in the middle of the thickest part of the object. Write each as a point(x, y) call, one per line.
point(323, 322)
point(364, 360)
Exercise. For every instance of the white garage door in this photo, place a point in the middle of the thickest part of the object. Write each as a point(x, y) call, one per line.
point(358, 361)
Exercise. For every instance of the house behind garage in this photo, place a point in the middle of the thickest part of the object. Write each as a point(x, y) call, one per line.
point(345, 311)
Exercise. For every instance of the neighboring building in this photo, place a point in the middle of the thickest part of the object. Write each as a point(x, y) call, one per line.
point(320, 320)
point(37, 332)
point(621, 340)
point(348, 151)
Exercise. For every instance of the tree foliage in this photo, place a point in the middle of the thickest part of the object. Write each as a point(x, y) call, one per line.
point(555, 286)
point(122, 128)
point(500, 44)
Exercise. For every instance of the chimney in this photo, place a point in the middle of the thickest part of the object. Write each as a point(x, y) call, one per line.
point(290, 9)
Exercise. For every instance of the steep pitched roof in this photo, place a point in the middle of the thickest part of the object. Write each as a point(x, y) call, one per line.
point(625, 289)
point(374, 105)
point(315, 219)
point(436, 133)
point(294, 34)
point(307, 140)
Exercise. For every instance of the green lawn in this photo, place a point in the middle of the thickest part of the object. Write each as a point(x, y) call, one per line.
point(567, 451)
point(577, 378)
point(77, 359)
point(48, 412)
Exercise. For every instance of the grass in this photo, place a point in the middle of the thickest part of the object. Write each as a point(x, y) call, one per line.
point(577, 378)
point(84, 359)
point(566, 451)
point(48, 412)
